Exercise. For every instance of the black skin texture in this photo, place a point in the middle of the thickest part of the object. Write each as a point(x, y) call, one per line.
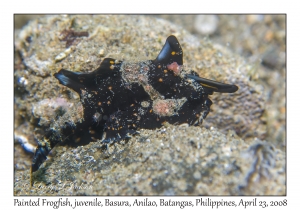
point(112, 102)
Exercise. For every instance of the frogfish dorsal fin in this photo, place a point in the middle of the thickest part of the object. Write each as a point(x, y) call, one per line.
point(171, 52)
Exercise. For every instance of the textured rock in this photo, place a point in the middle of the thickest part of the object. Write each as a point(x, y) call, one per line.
point(176, 160)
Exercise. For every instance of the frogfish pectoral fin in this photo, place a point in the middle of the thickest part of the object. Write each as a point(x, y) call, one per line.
point(40, 156)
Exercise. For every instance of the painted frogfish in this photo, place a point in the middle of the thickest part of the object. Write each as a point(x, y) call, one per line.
point(121, 97)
